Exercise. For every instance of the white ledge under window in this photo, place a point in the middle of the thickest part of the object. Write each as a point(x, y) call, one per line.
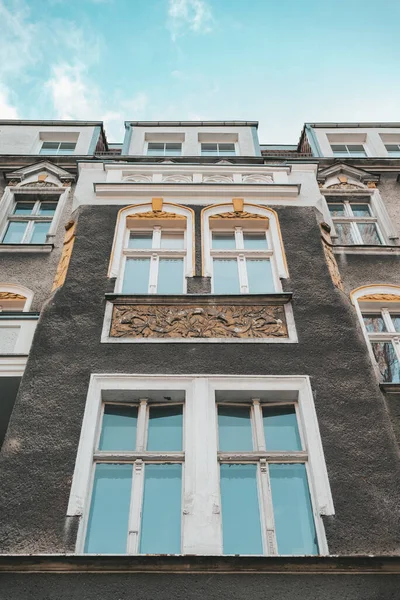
point(26, 248)
point(363, 249)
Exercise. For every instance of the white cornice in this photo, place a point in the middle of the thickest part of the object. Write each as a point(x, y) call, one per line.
point(198, 168)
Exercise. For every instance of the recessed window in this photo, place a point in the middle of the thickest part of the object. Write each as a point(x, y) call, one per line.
point(29, 222)
point(154, 262)
point(383, 329)
point(217, 149)
point(164, 149)
point(355, 223)
point(241, 262)
point(53, 148)
point(355, 150)
point(393, 149)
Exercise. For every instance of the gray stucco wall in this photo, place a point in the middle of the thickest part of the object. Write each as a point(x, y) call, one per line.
point(38, 456)
point(197, 587)
point(389, 189)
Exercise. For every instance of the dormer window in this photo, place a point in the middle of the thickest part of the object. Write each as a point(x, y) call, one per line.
point(54, 148)
point(345, 150)
point(218, 149)
point(393, 150)
point(164, 149)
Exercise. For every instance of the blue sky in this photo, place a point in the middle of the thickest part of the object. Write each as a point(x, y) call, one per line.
point(281, 62)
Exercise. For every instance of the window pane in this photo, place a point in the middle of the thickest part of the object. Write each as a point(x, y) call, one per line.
point(15, 233)
point(396, 321)
point(226, 276)
point(49, 148)
point(40, 231)
point(259, 276)
point(155, 149)
point(344, 234)
point(361, 210)
point(369, 233)
point(356, 150)
point(393, 149)
point(227, 149)
point(241, 525)
point(47, 209)
point(170, 276)
point(224, 241)
point(255, 241)
point(339, 147)
point(107, 531)
point(387, 361)
point(165, 428)
point(161, 514)
point(173, 149)
point(67, 145)
point(294, 520)
point(234, 428)
point(336, 209)
point(209, 150)
point(136, 276)
point(119, 428)
point(23, 208)
point(280, 428)
point(374, 323)
point(140, 240)
point(172, 240)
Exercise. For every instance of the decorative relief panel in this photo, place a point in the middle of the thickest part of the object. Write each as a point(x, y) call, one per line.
point(217, 179)
point(155, 214)
point(198, 321)
point(11, 296)
point(239, 214)
point(178, 179)
point(63, 265)
point(380, 298)
point(257, 179)
point(138, 179)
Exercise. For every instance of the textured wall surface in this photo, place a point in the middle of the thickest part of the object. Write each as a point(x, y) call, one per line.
point(38, 456)
point(389, 189)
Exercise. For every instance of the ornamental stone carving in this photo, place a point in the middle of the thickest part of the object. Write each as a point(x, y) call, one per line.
point(39, 184)
point(138, 179)
point(156, 214)
point(198, 321)
point(178, 179)
point(343, 186)
point(217, 179)
point(11, 296)
point(257, 179)
point(63, 265)
point(239, 215)
point(380, 298)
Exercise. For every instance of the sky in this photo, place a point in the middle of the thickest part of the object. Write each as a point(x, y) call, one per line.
point(281, 62)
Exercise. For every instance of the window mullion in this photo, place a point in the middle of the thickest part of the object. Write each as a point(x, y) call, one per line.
point(239, 238)
point(28, 233)
point(154, 261)
point(243, 282)
point(156, 241)
point(387, 319)
point(135, 509)
point(141, 425)
point(356, 233)
point(267, 510)
point(258, 426)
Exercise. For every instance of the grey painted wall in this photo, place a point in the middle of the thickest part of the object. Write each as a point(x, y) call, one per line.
point(38, 456)
point(389, 189)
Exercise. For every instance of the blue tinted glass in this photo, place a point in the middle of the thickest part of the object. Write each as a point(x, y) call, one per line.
point(388, 364)
point(140, 240)
point(396, 321)
point(47, 209)
point(255, 241)
point(172, 240)
point(294, 521)
point(280, 428)
point(369, 233)
point(241, 525)
point(259, 275)
point(15, 232)
point(234, 428)
point(374, 323)
point(119, 428)
point(165, 428)
point(23, 208)
point(40, 231)
point(107, 531)
point(136, 276)
point(161, 514)
point(224, 241)
point(226, 276)
point(361, 210)
point(170, 276)
point(336, 210)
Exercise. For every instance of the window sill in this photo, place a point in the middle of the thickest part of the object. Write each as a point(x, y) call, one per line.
point(26, 248)
point(390, 388)
point(159, 299)
point(364, 249)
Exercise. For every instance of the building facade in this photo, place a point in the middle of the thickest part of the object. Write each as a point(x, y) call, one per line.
point(209, 404)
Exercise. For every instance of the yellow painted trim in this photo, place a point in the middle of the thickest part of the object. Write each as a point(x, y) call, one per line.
point(238, 204)
point(157, 204)
point(395, 288)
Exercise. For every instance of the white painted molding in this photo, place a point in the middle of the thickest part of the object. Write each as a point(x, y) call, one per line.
point(14, 288)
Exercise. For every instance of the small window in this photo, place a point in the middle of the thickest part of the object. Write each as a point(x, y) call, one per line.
point(355, 150)
point(383, 328)
point(154, 262)
point(218, 149)
point(53, 148)
point(355, 224)
point(29, 222)
point(164, 149)
point(138, 431)
point(393, 149)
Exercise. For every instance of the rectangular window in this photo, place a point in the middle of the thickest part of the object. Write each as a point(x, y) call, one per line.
point(356, 150)
point(155, 262)
point(355, 224)
point(242, 262)
point(256, 487)
point(218, 149)
point(142, 493)
point(393, 149)
point(53, 148)
point(164, 149)
point(383, 332)
point(29, 222)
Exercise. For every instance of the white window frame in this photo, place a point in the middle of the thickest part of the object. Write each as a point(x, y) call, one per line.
point(349, 152)
point(392, 153)
point(218, 153)
point(56, 152)
point(155, 253)
point(31, 219)
point(162, 153)
point(241, 254)
point(201, 511)
point(349, 218)
point(10, 365)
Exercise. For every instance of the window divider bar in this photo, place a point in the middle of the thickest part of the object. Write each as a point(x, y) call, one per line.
point(268, 510)
point(135, 510)
point(287, 457)
point(259, 426)
point(132, 456)
point(141, 425)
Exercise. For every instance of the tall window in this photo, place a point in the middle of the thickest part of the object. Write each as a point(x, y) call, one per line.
point(241, 262)
point(154, 261)
point(200, 465)
point(53, 148)
point(136, 503)
point(164, 149)
point(218, 149)
point(383, 330)
point(29, 222)
point(356, 150)
point(260, 490)
point(355, 223)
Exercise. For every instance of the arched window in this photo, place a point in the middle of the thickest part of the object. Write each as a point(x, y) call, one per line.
point(243, 249)
point(378, 308)
point(16, 329)
point(15, 298)
point(153, 249)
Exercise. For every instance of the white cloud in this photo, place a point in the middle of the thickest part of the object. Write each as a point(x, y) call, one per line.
point(7, 111)
point(17, 48)
point(192, 15)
